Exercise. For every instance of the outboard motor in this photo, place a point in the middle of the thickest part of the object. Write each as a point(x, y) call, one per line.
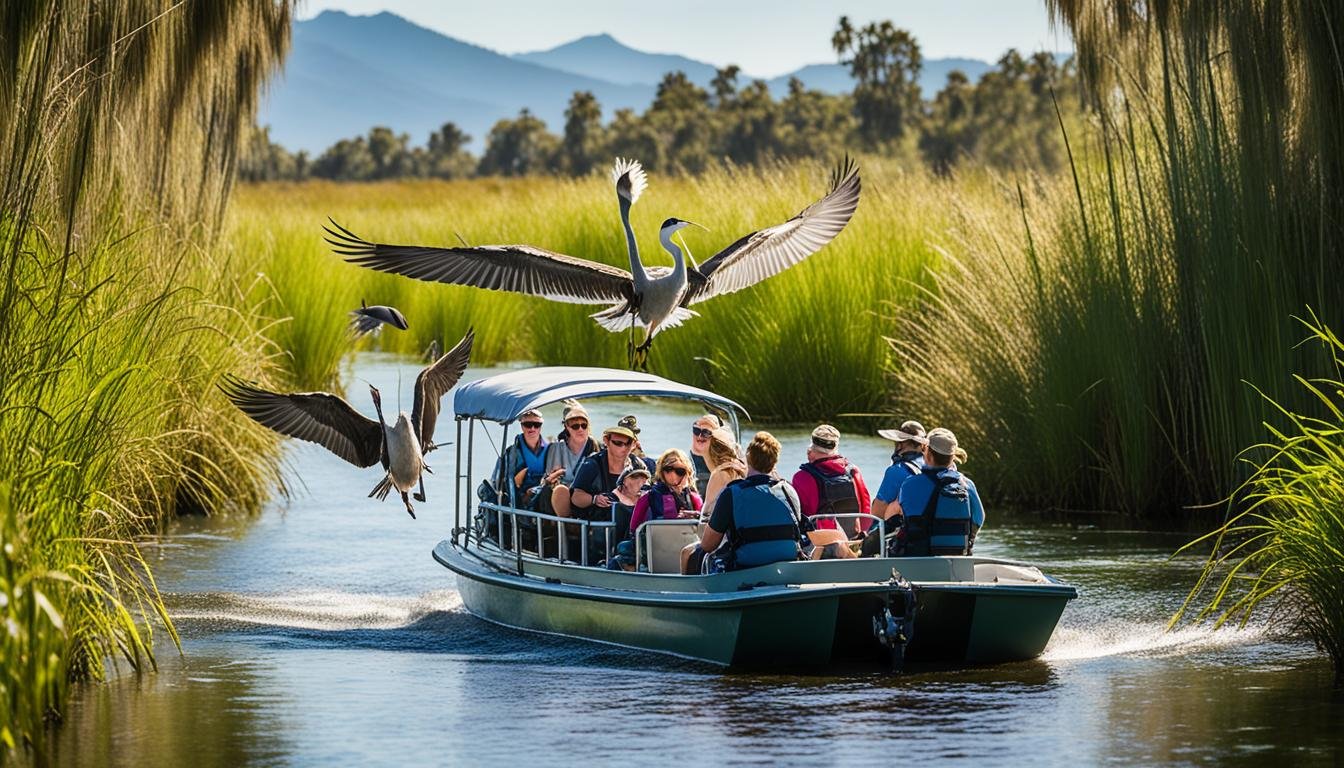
point(894, 624)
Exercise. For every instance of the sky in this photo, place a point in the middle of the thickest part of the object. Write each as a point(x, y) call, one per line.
point(766, 38)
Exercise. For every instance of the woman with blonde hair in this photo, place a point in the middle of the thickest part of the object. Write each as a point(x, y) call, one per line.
point(700, 432)
point(671, 496)
point(725, 465)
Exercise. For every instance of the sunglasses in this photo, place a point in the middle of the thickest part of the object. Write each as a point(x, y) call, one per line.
point(531, 425)
point(678, 471)
point(701, 432)
point(618, 443)
point(578, 425)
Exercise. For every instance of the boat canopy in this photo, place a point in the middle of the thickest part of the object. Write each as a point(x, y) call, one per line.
point(504, 397)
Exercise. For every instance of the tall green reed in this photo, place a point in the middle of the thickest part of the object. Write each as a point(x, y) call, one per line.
point(118, 128)
point(1094, 353)
point(1283, 552)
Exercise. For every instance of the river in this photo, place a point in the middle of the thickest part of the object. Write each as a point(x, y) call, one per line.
point(322, 633)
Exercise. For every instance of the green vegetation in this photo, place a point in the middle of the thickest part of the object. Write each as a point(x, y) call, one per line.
point(1100, 366)
point(1285, 551)
point(806, 344)
point(118, 133)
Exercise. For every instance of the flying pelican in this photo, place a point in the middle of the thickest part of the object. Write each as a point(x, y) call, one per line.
point(367, 318)
point(329, 421)
point(654, 298)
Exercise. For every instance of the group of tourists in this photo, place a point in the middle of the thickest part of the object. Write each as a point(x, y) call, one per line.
point(751, 515)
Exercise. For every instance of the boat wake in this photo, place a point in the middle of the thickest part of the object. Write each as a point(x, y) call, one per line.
point(1148, 639)
point(432, 622)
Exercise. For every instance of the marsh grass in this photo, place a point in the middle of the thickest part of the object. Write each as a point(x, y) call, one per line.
point(1283, 552)
point(117, 135)
point(804, 345)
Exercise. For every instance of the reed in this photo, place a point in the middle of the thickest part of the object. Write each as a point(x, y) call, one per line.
point(804, 345)
point(1094, 353)
point(118, 127)
point(1283, 553)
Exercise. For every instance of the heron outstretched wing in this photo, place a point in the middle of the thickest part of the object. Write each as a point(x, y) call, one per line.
point(317, 417)
point(516, 268)
point(435, 381)
point(770, 251)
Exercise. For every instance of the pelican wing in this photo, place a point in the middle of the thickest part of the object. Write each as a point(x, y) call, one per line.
point(770, 251)
point(515, 268)
point(433, 383)
point(318, 417)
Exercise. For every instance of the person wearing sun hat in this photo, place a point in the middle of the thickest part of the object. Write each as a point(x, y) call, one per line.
point(570, 447)
point(942, 509)
point(525, 459)
point(906, 462)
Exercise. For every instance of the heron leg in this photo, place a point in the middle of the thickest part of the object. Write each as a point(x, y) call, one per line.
point(409, 509)
point(420, 495)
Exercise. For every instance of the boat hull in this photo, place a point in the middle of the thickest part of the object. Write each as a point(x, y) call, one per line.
point(773, 619)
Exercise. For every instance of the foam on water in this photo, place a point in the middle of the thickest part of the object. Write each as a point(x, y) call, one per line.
point(321, 610)
point(1145, 639)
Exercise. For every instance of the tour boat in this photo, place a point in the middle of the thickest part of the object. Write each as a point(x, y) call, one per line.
point(514, 569)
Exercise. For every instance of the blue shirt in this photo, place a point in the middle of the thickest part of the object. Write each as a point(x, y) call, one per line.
point(896, 474)
point(915, 491)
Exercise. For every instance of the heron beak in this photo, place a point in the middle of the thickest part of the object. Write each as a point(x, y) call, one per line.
point(693, 224)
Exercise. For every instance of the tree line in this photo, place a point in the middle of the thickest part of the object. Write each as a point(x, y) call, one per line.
point(1009, 119)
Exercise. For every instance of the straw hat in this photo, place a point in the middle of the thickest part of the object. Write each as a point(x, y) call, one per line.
point(910, 430)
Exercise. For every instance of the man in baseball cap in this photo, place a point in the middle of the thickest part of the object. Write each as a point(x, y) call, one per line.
point(829, 484)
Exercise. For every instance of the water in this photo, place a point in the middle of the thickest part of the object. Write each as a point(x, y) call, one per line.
point(323, 633)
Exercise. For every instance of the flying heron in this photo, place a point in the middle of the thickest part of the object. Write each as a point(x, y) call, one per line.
point(329, 421)
point(367, 318)
point(651, 298)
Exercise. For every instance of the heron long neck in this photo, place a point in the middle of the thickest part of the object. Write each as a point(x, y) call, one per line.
point(636, 266)
point(678, 259)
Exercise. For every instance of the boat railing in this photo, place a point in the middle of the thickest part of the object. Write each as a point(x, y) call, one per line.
point(539, 520)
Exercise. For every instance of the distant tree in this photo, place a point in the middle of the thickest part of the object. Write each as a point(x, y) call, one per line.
point(885, 62)
point(725, 85)
point(949, 130)
point(814, 124)
point(446, 155)
point(630, 135)
point(680, 116)
point(261, 159)
point(346, 160)
point(519, 147)
point(750, 126)
point(581, 147)
point(391, 155)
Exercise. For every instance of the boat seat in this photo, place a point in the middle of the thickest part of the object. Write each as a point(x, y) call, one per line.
point(663, 542)
point(1004, 573)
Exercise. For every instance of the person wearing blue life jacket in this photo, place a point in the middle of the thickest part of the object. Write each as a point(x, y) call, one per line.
point(755, 521)
point(525, 460)
point(941, 508)
point(907, 459)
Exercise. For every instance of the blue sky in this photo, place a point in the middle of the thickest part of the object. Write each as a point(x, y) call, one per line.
point(765, 37)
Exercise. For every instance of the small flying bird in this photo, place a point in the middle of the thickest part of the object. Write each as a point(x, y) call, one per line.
point(367, 318)
point(653, 298)
point(329, 421)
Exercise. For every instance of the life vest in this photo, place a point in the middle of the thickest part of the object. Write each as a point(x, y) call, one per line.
point(765, 522)
point(944, 526)
point(535, 462)
point(666, 504)
point(836, 495)
point(912, 461)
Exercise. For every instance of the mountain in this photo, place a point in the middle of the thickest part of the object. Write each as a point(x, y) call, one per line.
point(345, 74)
point(603, 57)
